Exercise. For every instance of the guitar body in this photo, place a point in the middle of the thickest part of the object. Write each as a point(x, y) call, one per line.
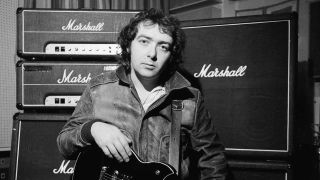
point(93, 164)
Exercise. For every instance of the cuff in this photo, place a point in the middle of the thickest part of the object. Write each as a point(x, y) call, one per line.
point(86, 131)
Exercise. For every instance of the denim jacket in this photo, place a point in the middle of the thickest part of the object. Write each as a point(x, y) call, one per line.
point(111, 98)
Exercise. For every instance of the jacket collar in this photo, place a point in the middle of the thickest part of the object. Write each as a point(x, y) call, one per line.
point(122, 75)
point(176, 81)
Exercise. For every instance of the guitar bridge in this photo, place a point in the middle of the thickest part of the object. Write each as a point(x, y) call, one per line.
point(107, 174)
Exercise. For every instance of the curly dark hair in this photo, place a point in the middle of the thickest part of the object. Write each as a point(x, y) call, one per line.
point(168, 24)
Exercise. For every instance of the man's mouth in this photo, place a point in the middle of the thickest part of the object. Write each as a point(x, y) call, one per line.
point(149, 66)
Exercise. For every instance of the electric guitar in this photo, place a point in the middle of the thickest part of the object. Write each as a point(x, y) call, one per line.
point(93, 164)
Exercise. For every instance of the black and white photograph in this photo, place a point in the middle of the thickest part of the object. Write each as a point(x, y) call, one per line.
point(160, 89)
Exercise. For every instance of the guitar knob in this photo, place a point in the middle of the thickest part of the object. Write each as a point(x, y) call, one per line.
point(116, 172)
point(115, 175)
point(157, 172)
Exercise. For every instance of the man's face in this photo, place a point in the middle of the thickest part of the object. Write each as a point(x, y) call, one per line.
point(150, 51)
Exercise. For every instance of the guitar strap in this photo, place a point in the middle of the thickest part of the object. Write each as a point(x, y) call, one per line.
point(174, 148)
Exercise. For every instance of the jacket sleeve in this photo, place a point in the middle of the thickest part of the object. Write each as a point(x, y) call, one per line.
point(205, 140)
point(76, 134)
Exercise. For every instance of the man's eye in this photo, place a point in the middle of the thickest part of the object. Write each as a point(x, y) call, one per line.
point(143, 41)
point(164, 48)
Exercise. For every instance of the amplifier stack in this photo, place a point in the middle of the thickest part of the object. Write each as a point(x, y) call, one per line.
point(59, 52)
point(245, 66)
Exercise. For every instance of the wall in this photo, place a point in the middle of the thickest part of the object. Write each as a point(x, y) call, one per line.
point(231, 8)
point(7, 70)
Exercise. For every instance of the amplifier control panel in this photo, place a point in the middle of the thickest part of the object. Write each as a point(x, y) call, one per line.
point(82, 49)
point(58, 101)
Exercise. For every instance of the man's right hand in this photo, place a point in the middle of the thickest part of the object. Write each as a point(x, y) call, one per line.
point(112, 141)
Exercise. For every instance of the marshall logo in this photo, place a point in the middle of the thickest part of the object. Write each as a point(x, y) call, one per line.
point(73, 26)
point(69, 78)
point(205, 72)
point(64, 168)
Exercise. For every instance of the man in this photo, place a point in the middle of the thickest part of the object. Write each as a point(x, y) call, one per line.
point(130, 108)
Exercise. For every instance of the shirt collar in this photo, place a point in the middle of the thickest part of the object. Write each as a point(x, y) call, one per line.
point(176, 81)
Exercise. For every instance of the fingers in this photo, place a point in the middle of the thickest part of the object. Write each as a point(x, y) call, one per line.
point(118, 149)
point(124, 148)
point(128, 140)
point(112, 141)
point(106, 151)
point(115, 154)
point(121, 153)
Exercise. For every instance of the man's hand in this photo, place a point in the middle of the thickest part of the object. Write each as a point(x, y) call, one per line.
point(112, 141)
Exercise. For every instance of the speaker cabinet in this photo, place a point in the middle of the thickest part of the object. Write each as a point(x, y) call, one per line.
point(314, 38)
point(245, 67)
point(35, 155)
point(262, 170)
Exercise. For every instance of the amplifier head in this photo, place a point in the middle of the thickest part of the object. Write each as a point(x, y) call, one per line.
point(44, 33)
point(48, 84)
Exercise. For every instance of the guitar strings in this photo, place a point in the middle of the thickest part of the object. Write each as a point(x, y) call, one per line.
point(108, 176)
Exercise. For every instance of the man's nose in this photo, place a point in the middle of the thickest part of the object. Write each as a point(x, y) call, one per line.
point(152, 53)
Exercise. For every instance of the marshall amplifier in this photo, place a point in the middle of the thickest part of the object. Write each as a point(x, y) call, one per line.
point(246, 67)
point(69, 33)
point(34, 151)
point(48, 84)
